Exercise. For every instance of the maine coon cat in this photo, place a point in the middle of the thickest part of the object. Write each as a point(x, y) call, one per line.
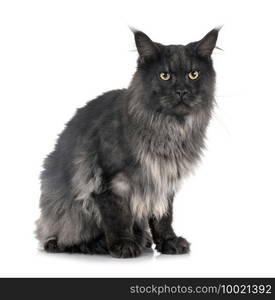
point(109, 184)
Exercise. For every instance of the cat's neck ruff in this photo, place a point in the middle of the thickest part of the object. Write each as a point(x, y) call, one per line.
point(163, 135)
point(166, 150)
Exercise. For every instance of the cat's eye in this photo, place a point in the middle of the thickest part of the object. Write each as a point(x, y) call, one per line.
point(164, 75)
point(193, 75)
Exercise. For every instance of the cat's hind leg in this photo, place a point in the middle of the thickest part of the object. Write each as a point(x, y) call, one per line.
point(95, 246)
point(52, 246)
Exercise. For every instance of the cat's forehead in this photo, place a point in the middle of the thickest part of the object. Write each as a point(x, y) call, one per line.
point(175, 57)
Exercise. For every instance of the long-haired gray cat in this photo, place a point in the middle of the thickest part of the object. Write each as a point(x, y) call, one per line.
point(109, 184)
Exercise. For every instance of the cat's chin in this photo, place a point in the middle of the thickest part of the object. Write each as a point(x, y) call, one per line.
point(183, 109)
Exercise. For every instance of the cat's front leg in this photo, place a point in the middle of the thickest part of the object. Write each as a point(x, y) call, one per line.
point(164, 236)
point(117, 223)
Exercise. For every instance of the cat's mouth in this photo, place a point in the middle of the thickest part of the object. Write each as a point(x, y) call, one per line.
point(184, 105)
point(187, 104)
point(182, 109)
point(190, 103)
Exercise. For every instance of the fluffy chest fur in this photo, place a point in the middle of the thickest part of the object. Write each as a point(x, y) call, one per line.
point(165, 159)
point(159, 181)
point(165, 153)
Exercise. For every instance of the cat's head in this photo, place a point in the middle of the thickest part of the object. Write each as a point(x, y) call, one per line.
point(175, 79)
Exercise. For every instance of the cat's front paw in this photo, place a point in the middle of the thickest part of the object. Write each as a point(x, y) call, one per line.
point(125, 249)
point(176, 245)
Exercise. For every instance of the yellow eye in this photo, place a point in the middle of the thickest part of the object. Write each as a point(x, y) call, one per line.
point(193, 75)
point(165, 75)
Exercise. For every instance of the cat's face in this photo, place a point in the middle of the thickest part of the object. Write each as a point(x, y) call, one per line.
point(176, 79)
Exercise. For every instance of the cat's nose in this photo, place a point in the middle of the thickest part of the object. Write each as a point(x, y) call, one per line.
point(181, 93)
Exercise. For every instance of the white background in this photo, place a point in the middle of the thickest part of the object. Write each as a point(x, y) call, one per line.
point(57, 55)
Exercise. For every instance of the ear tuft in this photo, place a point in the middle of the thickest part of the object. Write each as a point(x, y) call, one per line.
point(206, 45)
point(145, 46)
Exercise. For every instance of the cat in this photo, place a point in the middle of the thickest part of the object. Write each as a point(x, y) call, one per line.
point(108, 186)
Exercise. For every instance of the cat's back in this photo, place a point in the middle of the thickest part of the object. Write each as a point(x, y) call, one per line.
point(106, 105)
point(87, 125)
point(91, 119)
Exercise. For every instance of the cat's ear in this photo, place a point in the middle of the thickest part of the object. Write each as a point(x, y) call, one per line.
point(206, 45)
point(146, 48)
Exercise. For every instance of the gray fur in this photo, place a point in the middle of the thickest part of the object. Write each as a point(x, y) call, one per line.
point(121, 144)
point(161, 177)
